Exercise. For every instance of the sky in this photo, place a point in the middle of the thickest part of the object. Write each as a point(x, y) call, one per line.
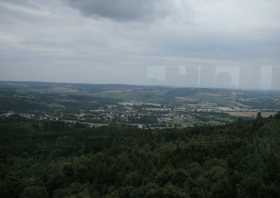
point(135, 41)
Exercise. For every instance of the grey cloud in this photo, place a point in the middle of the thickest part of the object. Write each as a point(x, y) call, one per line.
point(19, 2)
point(58, 41)
point(122, 10)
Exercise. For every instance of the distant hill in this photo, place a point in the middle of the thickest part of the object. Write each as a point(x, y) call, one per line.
point(20, 94)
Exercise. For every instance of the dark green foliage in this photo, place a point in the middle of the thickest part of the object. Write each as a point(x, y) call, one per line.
point(34, 192)
point(53, 160)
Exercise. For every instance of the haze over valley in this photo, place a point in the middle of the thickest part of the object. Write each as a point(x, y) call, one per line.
point(139, 98)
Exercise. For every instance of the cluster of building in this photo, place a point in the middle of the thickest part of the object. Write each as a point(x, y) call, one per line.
point(135, 114)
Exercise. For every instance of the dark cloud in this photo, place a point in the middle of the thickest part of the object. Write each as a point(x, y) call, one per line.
point(122, 10)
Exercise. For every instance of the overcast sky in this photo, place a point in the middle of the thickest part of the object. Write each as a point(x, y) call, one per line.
point(115, 41)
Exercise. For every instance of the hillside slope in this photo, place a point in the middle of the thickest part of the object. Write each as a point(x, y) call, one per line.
point(49, 159)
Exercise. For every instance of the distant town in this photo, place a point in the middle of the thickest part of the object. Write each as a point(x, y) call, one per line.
point(100, 105)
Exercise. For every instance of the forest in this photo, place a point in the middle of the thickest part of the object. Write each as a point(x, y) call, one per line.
point(46, 159)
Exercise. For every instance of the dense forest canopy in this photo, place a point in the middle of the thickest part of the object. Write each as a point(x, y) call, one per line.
point(51, 159)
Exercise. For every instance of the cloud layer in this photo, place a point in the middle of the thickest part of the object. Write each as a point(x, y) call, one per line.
point(122, 10)
point(113, 41)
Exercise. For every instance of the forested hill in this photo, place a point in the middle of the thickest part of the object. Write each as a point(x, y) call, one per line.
point(49, 159)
